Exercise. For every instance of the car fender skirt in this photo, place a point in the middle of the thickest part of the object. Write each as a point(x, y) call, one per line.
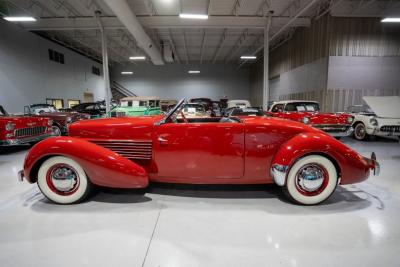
point(351, 166)
point(103, 166)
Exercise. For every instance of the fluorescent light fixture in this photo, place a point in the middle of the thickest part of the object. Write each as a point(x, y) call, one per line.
point(248, 57)
point(193, 16)
point(19, 19)
point(127, 72)
point(390, 20)
point(193, 71)
point(137, 58)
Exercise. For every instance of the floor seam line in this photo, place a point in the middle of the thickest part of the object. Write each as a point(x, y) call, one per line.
point(151, 238)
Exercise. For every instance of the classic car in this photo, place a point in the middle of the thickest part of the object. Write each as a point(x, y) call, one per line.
point(61, 120)
point(130, 152)
point(207, 102)
point(238, 104)
point(240, 112)
point(195, 110)
point(94, 109)
point(167, 104)
point(379, 117)
point(308, 112)
point(137, 106)
point(20, 129)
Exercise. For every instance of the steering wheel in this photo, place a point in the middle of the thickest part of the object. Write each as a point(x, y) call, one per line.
point(183, 117)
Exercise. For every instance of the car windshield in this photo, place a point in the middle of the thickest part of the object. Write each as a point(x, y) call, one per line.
point(37, 109)
point(360, 109)
point(302, 106)
point(193, 108)
point(2, 111)
point(246, 112)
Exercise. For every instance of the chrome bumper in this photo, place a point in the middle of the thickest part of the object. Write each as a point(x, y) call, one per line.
point(26, 140)
point(348, 132)
point(21, 176)
point(278, 173)
point(373, 164)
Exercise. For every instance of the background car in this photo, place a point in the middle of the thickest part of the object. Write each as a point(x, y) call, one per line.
point(21, 129)
point(206, 102)
point(307, 163)
point(61, 120)
point(308, 112)
point(94, 109)
point(137, 106)
point(245, 112)
point(195, 110)
point(379, 117)
point(238, 103)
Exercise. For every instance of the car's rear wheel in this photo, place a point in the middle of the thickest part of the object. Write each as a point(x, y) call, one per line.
point(56, 130)
point(63, 181)
point(360, 132)
point(311, 180)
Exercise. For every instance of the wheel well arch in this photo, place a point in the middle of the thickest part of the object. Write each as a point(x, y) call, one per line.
point(35, 168)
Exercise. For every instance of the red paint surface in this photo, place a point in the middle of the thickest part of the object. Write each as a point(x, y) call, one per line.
point(21, 122)
point(198, 153)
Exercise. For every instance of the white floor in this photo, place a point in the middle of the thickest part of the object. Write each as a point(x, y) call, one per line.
point(204, 226)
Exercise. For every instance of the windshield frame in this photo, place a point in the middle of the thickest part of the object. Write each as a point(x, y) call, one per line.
point(177, 107)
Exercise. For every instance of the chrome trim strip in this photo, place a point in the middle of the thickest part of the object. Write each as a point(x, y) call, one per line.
point(22, 141)
point(278, 173)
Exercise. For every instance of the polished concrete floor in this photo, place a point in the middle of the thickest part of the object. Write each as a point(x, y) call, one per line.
point(168, 225)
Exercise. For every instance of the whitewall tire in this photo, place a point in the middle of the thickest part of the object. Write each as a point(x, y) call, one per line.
point(360, 132)
point(63, 181)
point(311, 180)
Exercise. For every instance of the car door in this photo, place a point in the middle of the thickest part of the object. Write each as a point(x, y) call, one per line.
point(199, 151)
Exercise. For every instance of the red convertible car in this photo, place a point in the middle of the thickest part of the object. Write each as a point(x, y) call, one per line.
point(20, 130)
point(130, 152)
point(337, 125)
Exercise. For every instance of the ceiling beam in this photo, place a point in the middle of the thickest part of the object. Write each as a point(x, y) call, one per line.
point(171, 41)
point(221, 44)
point(185, 47)
point(159, 22)
point(203, 42)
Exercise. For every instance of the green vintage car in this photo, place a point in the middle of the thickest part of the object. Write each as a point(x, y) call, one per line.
point(137, 106)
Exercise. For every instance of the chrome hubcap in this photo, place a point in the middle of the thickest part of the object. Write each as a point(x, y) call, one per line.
point(360, 131)
point(310, 177)
point(64, 179)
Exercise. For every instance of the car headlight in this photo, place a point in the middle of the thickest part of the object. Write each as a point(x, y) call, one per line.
point(69, 119)
point(50, 122)
point(350, 119)
point(373, 121)
point(306, 120)
point(10, 126)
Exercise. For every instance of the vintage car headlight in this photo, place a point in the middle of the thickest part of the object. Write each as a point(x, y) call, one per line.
point(350, 119)
point(306, 120)
point(10, 126)
point(69, 119)
point(373, 121)
point(50, 122)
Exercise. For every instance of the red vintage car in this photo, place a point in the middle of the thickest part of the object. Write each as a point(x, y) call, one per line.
point(130, 152)
point(19, 130)
point(308, 112)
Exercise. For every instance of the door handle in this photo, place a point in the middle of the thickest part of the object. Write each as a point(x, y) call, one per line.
point(162, 141)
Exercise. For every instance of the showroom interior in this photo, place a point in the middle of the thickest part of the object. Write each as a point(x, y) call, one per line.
point(199, 132)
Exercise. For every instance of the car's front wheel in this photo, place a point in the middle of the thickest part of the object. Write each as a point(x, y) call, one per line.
point(63, 180)
point(360, 132)
point(311, 180)
point(56, 130)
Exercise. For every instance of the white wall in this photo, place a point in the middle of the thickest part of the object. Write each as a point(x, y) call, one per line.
point(174, 82)
point(27, 75)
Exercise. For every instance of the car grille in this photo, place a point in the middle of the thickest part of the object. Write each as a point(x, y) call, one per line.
point(390, 128)
point(118, 114)
point(332, 128)
point(128, 148)
point(30, 131)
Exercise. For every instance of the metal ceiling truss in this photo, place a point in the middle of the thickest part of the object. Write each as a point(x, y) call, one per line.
point(221, 44)
point(171, 41)
point(203, 43)
point(185, 47)
point(238, 45)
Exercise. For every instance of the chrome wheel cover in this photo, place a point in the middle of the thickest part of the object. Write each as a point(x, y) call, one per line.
point(360, 131)
point(311, 179)
point(63, 179)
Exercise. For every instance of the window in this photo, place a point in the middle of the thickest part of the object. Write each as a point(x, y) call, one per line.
point(73, 102)
point(58, 103)
point(56, 56)
point(95, 71)
point(302, 106)
point(277, 108)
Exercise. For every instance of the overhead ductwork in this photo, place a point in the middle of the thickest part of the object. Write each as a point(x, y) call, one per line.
point(125, 14)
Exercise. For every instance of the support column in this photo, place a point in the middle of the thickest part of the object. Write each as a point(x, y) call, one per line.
point(106, 73)
point(266, 67)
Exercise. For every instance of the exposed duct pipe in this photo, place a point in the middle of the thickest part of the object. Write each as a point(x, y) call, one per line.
point(125, 14)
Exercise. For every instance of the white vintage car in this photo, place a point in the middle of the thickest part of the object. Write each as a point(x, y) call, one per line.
point(379, 117)
point(238, 104)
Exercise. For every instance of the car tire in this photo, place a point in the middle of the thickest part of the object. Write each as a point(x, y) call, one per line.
point(56, 130)
point(311, 180)
point(360, 132)
point(63, 181)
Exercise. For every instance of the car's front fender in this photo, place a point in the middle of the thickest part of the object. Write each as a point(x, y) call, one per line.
point(103, 166)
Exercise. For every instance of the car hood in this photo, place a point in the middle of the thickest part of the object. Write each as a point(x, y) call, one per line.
point(24, 121)
point(384, 106)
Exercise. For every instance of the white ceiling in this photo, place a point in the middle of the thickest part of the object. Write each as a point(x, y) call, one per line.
point(234, 28)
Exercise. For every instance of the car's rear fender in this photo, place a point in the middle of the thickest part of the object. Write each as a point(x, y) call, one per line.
point(351, 166)
point(103, 166)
